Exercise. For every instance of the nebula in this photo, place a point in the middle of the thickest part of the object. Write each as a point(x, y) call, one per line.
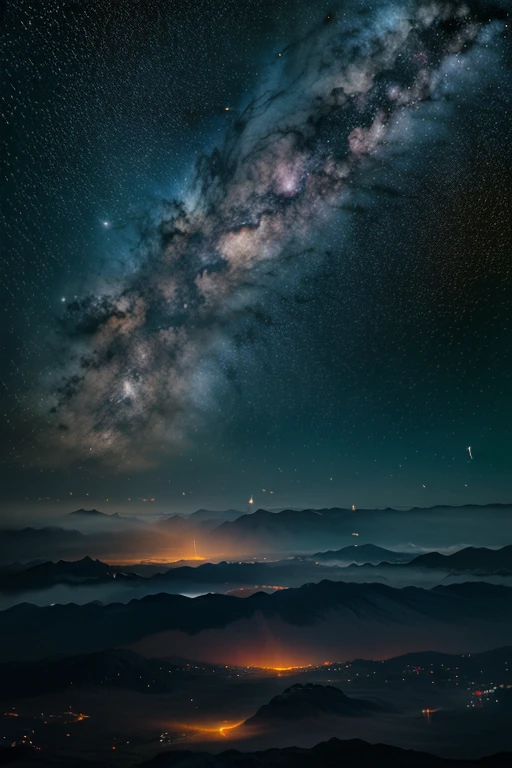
point(145, 362)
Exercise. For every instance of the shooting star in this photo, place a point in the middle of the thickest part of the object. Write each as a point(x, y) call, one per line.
point(469, 451)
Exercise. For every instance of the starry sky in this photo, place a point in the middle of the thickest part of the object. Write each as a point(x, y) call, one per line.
point(256, 248)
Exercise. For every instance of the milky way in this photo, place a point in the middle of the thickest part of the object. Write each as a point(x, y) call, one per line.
point(145, 362)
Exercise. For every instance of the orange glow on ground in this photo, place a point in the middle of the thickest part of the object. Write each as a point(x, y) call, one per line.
point(225, 728)
point(212, 730)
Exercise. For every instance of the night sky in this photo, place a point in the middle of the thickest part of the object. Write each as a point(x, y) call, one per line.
point(256, 245)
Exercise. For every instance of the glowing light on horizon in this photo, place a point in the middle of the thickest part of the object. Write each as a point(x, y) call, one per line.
point(283, 667)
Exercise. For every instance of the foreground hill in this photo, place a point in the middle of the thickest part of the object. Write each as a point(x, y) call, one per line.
point(309, 624)
point(352, 753)
point(305, 702)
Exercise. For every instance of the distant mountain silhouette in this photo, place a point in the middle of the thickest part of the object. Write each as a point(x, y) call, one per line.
point(310, 530)
point(309, 701)
point(90, 513)
point(174, 524)
point(94, 517)
point(365, 553)
point(215, 516)
point(276, 531)
point(286, 532)
point(350, 753)
point(30, 543)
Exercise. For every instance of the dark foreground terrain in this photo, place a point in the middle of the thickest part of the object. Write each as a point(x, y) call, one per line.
point(351, 753)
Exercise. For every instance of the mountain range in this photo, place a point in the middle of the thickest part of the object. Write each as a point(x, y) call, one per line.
point(180, 578)
point(299, 530)
point(475, 561)
point(468, 559)
point(231, 575)
point(47, 574)
point(230, 534)
point(317, 621)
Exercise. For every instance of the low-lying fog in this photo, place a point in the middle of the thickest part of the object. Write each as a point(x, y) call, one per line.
point(119, 592)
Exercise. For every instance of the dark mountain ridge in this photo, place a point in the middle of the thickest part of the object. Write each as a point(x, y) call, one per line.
point(475, 560)
point(74, 573)
point(350, 753)
point(467, 559)
point(291, 572)
point(74, 629)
